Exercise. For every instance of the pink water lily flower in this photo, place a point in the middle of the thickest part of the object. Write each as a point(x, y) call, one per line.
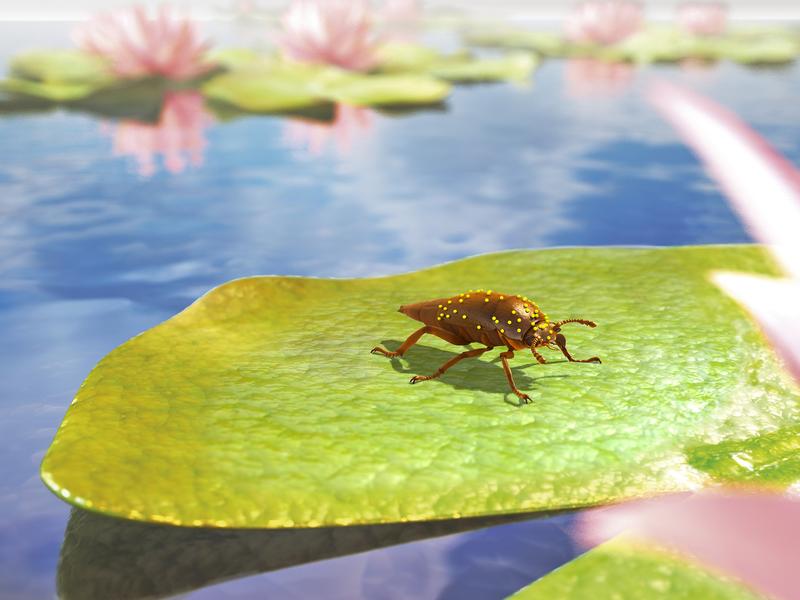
point(751, 535)
point(764, 189)
point(178, 136)
point(140, 44)
point(330, 32)
point(703, 18)
point(349, 124)
point(604, 22)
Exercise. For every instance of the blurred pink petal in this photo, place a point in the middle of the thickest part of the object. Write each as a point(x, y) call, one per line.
point(177, 136)
point(591, 77)
point(775, 304)
point(604, 22)
point(331, 32)
point(350, 123)
point(763, 187)
point(752, 536)
point(703, 18)
point(140, 44)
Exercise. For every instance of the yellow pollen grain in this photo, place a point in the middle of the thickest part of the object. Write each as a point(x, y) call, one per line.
point(461, 300)
point(519, 330)
point(518, 319)
point(543, 326)
point(467, 295)
point(509, 321)
point(440, 306)
point(479, 326)
point(502, 297)
point(463, 316)
point(447, 316)
point(513, 312)
point(449, 301)
point(438, 318)
point(455, 310)
point(485, 299)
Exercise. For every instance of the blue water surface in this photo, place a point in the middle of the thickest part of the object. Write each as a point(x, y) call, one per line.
point(93, 251)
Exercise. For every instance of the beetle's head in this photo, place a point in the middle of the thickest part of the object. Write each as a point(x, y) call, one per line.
point(545, 333)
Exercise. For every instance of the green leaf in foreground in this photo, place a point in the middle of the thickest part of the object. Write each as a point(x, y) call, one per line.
point(261, 406)
point(616, 570)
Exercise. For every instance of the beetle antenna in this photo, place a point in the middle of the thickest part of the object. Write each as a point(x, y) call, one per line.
point(581, 321)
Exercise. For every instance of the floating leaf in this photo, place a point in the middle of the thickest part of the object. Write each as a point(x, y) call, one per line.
point(404, 57)
point(618, 570)
point(261, 406)
point(771, 459)
point(656, 44)
point(387, 90)
point(514, 66)
point(265, 90)
point(57, 75)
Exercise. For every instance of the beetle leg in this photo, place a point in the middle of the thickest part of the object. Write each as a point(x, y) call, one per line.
point(538, 357)
point(561, 342)
point(412, 339)
point(449, 363)
point(505, 356)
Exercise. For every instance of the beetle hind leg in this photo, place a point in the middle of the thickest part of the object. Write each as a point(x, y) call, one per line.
point(521, 395)
point(448, 364)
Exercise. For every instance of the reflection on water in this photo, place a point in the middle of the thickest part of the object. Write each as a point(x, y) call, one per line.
point(590, 76)
point(104, 557)
point(178, 135)
point(92, 253)
point(349, 124)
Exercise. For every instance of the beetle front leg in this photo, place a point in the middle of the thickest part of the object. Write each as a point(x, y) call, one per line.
point(561, 342)
point(522, 396)
point(538, 357)
point(448, 364)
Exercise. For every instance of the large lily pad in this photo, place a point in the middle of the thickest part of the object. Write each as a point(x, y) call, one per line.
point(261, 406)
point(619, 570)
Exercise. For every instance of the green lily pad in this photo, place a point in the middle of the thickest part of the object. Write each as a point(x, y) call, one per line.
point(770, 459)
point(387, 90)
point(460, 67)
point(515, 66)
point(261, 406)
point(655, 44)
point(265, 90)
point(57, 75)
point(619, 570)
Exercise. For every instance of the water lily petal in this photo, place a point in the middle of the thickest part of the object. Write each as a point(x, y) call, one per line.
point(763, 186)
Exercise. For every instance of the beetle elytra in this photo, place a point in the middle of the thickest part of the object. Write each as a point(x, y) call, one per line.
point(489, 318)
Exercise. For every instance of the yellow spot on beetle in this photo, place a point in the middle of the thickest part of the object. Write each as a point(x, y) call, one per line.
point(455, 310)
point(543, 326)
point(485, 299)
point(519, 330)
point(463, 316)
point(513, 312)
point(449, 301)
point(518, 319)
point(479, 326)
point(502, 331)
point(502, 297)
point(509, 321)
point(447, 316)
point(461, 299)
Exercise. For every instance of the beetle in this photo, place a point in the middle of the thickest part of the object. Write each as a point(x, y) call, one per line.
point(489, 318)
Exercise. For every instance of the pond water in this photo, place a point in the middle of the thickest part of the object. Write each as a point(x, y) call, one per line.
point(101, 239)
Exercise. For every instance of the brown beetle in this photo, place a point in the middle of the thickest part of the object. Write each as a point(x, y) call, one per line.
point(488, 318)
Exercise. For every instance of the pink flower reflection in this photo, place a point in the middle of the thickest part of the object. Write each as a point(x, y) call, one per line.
point(703, 18)
point(138, 44)
point(331, 32)
point(587, 77)
point(604, 22)
point(178, 135)
point(752, 536)
point(349, 124)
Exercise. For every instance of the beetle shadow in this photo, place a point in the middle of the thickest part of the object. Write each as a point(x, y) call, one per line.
point(488, 376)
